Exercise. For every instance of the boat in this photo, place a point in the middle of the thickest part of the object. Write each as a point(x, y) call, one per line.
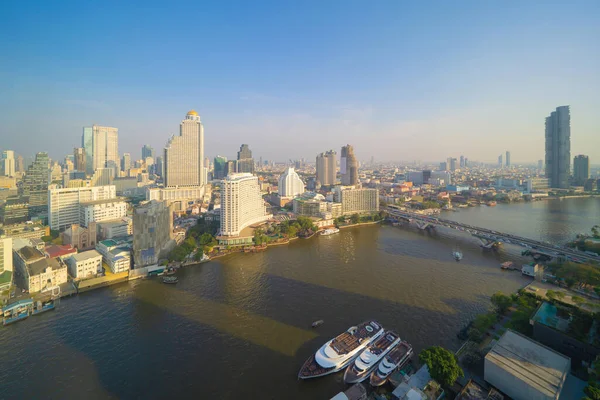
point(457, 254)
point(170, 279)
point(16, 311)
point(394, 360)
point(317, 323)
point(329, 231)
point(170, 271)
point(368, 360)
point(43, 306)
point(340, 351)
point(491, 204)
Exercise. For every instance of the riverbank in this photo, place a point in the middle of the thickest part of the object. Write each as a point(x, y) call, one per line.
point(359, 224)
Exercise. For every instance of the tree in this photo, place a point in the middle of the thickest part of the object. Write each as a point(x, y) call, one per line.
point(592, 391)
point(501, 302)
point(198, 255)
point(355, 218)
point(443, 365)
point(596, 231)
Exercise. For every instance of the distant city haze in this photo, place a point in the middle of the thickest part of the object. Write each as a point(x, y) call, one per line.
point(396, 80)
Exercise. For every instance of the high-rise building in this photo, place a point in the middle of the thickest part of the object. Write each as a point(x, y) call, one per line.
point(6, 263)
point(443, 166)
point(20, 164)
point(245, 162)
point(230, 167)
point(101, 145)
point(64, 205)
point(147, 151)
point(220, 167)
point(241, 203)
point(35, 185)
point(507, 158)
point(79, 159)
point(558, 147)
point(152, 232)
point(326, 168)
point(462, 161)
point(159, 167)
point(581, 169)
point(466, 162)
point(452, 164)
point(348, 166)
point(290, 184)
point(7, 167)
point(126, 162)
point(540, 165)
point(357, 201)
point(500, 164)
point(184, 154)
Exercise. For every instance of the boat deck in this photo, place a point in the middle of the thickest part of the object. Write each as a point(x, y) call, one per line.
point(312, 368)
point(399, 352)
point(346, 342)
point(383, 342)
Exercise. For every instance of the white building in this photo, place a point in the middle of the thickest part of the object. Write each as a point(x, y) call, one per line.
point(6, 262)
point(358, 201)
point(101, 210)
point(116, 255)
point(115, 228)
point(7, 163)
point(85, 265)
point(241, 203)
point(64, 204)
point(172, 195)
point(184, 154)
point(104, 147)
point(290, 184)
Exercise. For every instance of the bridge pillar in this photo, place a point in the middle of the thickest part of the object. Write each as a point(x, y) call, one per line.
point(489, 243)
point(424, 225)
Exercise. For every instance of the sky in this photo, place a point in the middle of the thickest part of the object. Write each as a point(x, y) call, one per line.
point(399, 80)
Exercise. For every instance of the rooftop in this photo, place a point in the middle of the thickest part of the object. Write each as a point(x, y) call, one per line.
point(40, 266)
point(55, 250)
point(105, 201)
point(108, 243)
point(531, 362)
point(474, 391)
point(30, 254)
point(549, 315)
point(86, 255)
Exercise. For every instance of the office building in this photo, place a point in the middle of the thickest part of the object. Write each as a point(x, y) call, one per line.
point(540, 165)
point(462, 161)
point(442, 178)
point(147, 151)
point(348, 166)
point(507, 158)
point(581, 169)
point(326, 168)
point(537, 184)
point(79, 159)
point(466, 162)
point(426, 175)
point(101, 210)
point(126, 163)
point(500, 164)
point(28, 230)
point(290, 184)
point(102, 177)
point(230, 167)
point(184, 154)
point(86, 264)
point(115, 228)
point(443, 166)
point(7, 165)
point(241, 204)
point(358, 201)
point(101, 147)
point(152, 232)
point(64, 204)
point(245, 162)
point(35, 185)
point(177, 197)
point(6, 263)
point(558, 147)
point(159, 168)
point(416, 177)
point(20, 164)
point(525, 369)
point(451, 164)
point(14, 210)
point(220, 167)
point(116, 254)
point(590, 185)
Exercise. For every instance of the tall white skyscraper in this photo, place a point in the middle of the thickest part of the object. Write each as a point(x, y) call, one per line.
point(290, 184)
point(241, 203)
point(101, 147)
point(184, 154)
point(7, 168)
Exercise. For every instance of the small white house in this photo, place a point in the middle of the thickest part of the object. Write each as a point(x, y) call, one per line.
point(86, 264)
point(530, 269)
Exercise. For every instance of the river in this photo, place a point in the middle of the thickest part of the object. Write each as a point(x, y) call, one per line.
point(239, 327)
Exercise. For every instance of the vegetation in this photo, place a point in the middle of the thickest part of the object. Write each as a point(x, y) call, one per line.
point(443, 365)
point(525, 307)
point(481, 324)
point(555, 294)
point(572, 273)
point(181, 252)
point(430, 204)
point(501, 302)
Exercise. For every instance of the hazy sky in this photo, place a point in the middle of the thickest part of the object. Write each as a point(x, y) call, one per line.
point(399, 80)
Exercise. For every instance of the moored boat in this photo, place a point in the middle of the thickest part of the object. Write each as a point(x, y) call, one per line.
point(337, 353)
point(368, 360)
point(43, 306)
point(394, 360)
point(329, 231)
point(170, 279)
point(16, 311)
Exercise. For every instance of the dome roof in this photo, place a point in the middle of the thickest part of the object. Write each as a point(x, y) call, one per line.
point(192, 112)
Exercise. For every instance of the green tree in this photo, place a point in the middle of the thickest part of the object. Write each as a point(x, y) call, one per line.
point(501, 302)
point(442, 364)
point(592, 391)
point(198, 255)
point(596, 231)
point(355, 218)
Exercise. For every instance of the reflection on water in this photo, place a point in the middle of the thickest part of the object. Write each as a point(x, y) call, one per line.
point(240, 326)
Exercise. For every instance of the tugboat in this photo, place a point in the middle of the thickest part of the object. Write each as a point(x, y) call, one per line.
point(170, 279)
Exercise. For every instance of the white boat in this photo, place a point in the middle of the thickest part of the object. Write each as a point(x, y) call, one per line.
point(367, 361)
point(394, 360)
point(457, 254)
point(329, 231)
point(337, 353)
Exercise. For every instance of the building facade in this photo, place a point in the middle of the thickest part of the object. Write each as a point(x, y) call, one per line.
point(359, 201)
point(115, 254)
point(152, 232)
point(101, 145)
point(115, 228)
point(348, 166)
point(184, 154)
point(35, 185)
point(101, 210)
point(326, 168)
point(79, 159)
point(84, 265)
point(290, 184)
point(507, 158)
point(581, 169)
point(126, 163)
point(64, 204)
point(220, 167)
point(36, 272)
point(6, 263)
point(7, 163)
point(558, 147)
point(241, 203)
point(80, 237)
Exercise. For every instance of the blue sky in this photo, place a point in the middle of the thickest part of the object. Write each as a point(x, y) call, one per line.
point(398, 80)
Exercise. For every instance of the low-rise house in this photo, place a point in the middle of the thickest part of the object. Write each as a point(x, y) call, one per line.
point(85, 265)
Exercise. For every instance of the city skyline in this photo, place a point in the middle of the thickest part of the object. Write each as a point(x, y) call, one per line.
point(410, 90)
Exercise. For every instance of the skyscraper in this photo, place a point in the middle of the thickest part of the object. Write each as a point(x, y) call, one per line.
point(326, 168)
point(245, 162)
point(126, 163)
point(452, 164)
point(147, 151)
point(581, 169)
point(348, 166)
point(184, 154)
point(220, 167)
point(507, 158)
point(462, 161)
point(241, 204)
point(540, 164)
point(558, 147)
point(20, 164)
point(79, 159)
point(101, 146)
point(152, 232)
point(7, 168)
point(290, 184)
point(500, 164)
point(159, 166)
point(35, 185)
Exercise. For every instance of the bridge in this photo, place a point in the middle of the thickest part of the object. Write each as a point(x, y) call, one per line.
point(490, 238)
